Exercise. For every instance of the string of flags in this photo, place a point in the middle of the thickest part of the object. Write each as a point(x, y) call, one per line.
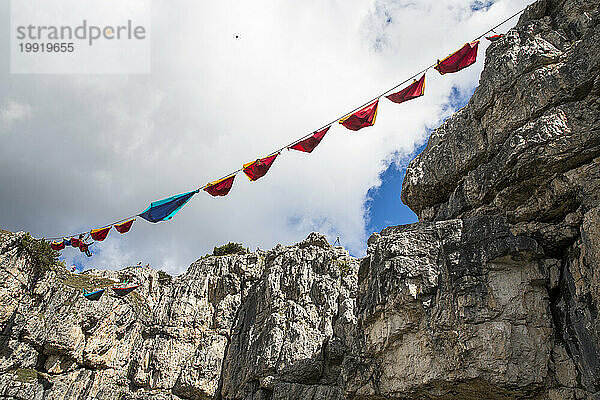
point(361, 117)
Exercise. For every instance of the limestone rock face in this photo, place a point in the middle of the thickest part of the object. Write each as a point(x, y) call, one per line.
point(527, 147)
point(527, 144)
point(165, 340)
point(265, 322)
point(294, 327)
point(493, 295)
point(453, 309)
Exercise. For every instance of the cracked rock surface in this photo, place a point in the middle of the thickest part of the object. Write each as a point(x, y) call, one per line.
point(493, 295)
point(527, 148)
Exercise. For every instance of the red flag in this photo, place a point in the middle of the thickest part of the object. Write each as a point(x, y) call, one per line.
point(58, 245)
point(74, 242)
point(362, 118)
point(416, 89)
point(458, 60)
point(220, 187)
point(493, 38)
point(308, 145)
point(257, 169)
point(124, 227)
point(100, 234)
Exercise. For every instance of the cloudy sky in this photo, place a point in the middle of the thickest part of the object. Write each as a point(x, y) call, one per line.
point(81, 151)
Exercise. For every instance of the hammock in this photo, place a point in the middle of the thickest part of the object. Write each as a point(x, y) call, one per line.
point(124, 227)
point(458, 60)
point(100, 234)
point(220, 187)
point(124, 290)
point(163, 210)
point(93, 295)
point(493, 38)
point(361, 118)
point(258, 169)
point(308, 145)
point(58, 245)
point(416, 89)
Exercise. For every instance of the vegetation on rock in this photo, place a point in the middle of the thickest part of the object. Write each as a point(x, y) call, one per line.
point(229, 248)
point(39, 250)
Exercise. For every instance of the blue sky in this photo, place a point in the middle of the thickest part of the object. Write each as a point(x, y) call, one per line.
point(383, 203)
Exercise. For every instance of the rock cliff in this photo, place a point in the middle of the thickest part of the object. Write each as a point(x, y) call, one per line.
point(494, 294)
point(527, 148)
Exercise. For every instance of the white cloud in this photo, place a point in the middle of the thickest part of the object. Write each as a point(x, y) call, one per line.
point(104, 146)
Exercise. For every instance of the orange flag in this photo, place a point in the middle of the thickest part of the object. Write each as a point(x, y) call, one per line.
point(220, 187)
point(458, 60)
point(416, 89)
point(100, 234)
point(362, 118)
point(259, 168)
point(125, 226)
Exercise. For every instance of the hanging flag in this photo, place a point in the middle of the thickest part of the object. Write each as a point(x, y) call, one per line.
point(416, 89)
point(362, 118)
point(100, 234)
point(58, 245)
point(458, 60)
point(163, 210)
point(308, 145)
point(125, 226)
point(67, 242)
point(75, 242)
point(259, 168)
point(220, 187)
point(493, 38)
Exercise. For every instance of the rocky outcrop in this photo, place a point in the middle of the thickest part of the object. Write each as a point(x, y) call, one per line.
point(167, 338)
point(527, 144)
point(457, 309)
point(494, 294)
point(234, 324)
point(527, 148)
point(292, 331)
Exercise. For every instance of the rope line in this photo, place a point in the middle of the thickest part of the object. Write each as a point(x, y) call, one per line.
point(317, 130)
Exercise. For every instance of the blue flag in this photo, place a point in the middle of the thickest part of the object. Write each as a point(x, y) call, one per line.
point(163, 210)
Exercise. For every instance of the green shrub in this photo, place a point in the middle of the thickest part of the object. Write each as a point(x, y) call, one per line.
point(344, 267)
point(163, 277)
point(39, 250)
point(229, 248)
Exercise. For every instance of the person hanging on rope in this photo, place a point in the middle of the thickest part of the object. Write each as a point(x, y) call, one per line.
point(84, 247)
